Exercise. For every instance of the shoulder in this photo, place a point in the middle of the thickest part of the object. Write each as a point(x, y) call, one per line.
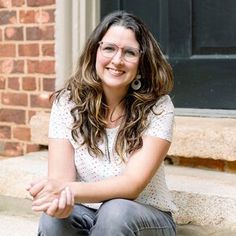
point(163, 104)
point(63, 101)
point(161, 119)
point(61, 108)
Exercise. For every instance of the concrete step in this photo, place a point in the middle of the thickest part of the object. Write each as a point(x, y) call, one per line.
point(202, 137)
point(16, 217)
point(206, 199)
point(17, 225)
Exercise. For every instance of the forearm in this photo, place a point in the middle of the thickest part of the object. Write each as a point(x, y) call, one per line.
point(115, 187)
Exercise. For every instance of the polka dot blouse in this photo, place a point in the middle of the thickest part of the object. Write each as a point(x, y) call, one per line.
point(91, 169)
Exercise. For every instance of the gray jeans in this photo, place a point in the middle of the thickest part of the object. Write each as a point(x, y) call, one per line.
point(118, 217)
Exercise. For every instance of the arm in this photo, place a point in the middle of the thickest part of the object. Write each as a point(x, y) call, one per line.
point(139, 170)
point(141, 166)
point(52, 195)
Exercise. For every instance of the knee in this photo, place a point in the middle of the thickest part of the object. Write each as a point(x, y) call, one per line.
point(112, 217)
point(50, 226)
point(115, 212)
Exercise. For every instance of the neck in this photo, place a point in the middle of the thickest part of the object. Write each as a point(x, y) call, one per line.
point(115, 107)
point(113, 98)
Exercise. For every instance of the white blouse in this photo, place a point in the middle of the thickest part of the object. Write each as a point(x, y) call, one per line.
point(92, 169)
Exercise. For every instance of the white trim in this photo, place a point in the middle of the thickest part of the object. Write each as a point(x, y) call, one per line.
point(217, 113)
point(75, 20)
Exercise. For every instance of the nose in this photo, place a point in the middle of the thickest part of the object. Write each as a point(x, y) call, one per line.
point(118, 57)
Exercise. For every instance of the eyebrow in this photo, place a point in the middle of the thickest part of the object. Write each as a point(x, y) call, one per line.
point(119, 46)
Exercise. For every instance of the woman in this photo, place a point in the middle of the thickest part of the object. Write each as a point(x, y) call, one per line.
point(109, 132)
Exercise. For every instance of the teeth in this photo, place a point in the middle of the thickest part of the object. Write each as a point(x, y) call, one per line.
point(116, 72)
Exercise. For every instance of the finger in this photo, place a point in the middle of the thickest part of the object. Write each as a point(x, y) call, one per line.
point(36, 188)
point(73, 199)
point(62, 205)
point(42, 200)
point(63, 214)
point(52, 208)
point(31, 184)
point(62, 200)
point(42, 207)
point(68, 196)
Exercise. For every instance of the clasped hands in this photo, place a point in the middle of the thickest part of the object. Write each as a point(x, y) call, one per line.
point(52, 197)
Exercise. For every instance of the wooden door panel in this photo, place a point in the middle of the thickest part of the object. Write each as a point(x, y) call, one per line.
point(199, 39)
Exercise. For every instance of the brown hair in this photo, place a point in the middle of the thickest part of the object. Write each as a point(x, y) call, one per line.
point(86, 90)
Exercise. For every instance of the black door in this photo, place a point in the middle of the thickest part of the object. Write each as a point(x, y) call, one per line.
point(199, 39)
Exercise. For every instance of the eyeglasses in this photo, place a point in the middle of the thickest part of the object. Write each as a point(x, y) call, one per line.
point(129, 54)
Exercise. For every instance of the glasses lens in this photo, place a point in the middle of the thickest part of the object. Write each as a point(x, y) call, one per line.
point(109, 50)
point(131, 54)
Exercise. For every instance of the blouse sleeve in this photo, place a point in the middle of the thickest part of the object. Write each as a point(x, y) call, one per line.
point(161, 119)
point(60, 119)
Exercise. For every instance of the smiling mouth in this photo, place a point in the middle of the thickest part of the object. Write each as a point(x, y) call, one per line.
point(115, 71)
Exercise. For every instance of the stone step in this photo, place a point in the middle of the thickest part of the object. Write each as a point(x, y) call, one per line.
point(12, 225)
point(17, 218)
point(206, 199)
point(202, 137)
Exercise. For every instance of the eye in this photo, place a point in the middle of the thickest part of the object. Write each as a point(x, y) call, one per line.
point(129, 52)
point(108, 48)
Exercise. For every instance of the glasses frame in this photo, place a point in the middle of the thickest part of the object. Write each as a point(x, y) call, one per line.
point(122, 48)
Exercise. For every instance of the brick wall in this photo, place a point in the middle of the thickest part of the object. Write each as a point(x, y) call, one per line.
point(27, 73)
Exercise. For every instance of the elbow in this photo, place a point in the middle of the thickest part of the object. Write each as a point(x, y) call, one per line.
point(135, 190)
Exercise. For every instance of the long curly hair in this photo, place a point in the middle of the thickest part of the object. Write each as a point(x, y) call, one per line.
point(89, 113)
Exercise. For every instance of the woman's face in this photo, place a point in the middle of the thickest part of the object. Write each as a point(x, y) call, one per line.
point(117, 58)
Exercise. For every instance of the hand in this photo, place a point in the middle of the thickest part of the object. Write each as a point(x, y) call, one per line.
point(44, 192)
point(51, 198)
point(36, 186)
point(63, 207)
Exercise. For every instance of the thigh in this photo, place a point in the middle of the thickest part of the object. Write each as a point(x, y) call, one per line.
point(78, 223)
point(129, 218)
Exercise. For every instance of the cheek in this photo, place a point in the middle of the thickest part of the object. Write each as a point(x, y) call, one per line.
point(101, 61)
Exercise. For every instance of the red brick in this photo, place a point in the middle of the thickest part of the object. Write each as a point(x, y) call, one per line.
point(14, 83)
point(7, 17)
point(40, 33)
point(11, 66)
point(51, 13)
point(21, 133)
point(14, 99)
point(7, 50)
point(48, 50)
point(30, 114)
point(27, 16)
point(14, 33)
point(32, 148)
point(31, 50)
point(41, 100)
point(18, 3)
point(42, 17)
point(6, 66)
point(5, 132)
point(12, 149)
point(2, 82)
point(29, 83)
point(41, 67)
point(12, 115)
point(18, 66)
point(48, 85)
point(38, 3)
point(5, 3)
